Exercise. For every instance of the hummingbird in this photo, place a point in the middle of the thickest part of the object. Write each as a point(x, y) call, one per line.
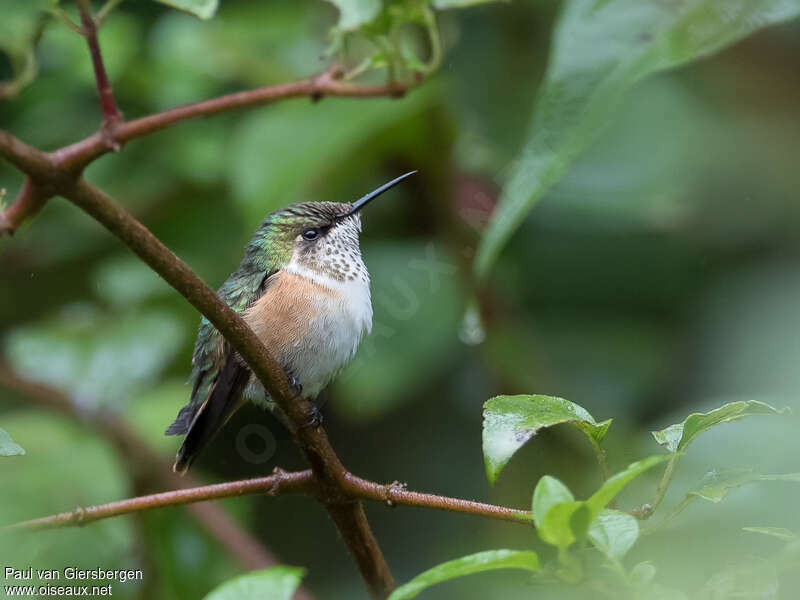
point(303, 288)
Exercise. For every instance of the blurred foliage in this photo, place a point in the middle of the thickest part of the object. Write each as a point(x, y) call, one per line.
point(657, 277)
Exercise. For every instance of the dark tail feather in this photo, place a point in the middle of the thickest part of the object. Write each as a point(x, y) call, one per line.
point(224, 400)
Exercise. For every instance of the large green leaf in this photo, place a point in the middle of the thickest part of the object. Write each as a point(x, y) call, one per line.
point(205, 9)
point(355, 13)
point(274, 583)
point(510, 421)
point(614, 533)
point(599, 51)
point(467, 565)
point(677, 437)
point(8, 447)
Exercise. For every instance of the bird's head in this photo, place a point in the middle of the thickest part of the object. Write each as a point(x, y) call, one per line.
point(320, 236)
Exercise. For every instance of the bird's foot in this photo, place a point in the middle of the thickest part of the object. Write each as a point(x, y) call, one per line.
point(296, 385)
point(389, 491)
point(314, 418)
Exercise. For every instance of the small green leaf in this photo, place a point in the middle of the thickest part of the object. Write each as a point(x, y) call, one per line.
point(677, 437)
point(549, 491)
point(614, 533)
point(205, 9)
point(275, 583)
point(779, 532)
point(467, 565)
point(568, 521)
point(510, 421)
point(615, 483)
point(599, 52)
point(7, 445)
point(355, 13)
point(565, 523)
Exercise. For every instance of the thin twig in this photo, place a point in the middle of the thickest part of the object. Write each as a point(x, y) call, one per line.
point(280, 482)
point(277, 483)
point(71, 160)
point(79, 154)
point(103, 13)
point(111, 114)
point(29, 201)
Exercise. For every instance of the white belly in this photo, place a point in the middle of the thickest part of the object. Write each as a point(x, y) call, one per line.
point(334, 333)
point(312, 326)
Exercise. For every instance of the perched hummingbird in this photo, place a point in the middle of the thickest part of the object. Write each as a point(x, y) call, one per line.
point(304, 290)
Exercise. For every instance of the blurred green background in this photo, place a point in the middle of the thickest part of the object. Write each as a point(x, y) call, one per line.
point(661, 276)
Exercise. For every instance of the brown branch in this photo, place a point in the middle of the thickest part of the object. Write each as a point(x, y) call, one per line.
point(279, 482)
point(396, 494)
point(82, 153)
point(111, 114)
point(27, 159)
point(29, 201)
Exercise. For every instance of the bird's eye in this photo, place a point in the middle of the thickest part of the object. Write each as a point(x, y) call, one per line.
point(310, 234)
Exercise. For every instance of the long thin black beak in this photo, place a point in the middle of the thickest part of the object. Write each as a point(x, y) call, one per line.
point(364, 200)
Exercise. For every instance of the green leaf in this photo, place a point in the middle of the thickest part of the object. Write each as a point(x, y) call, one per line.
point(615, 483)
point(275, 583)
point(598, 53)
point(7, 445)
point(355, 13)
point(568, 521)
point(205, 9)
point(565, 523)
point(677, 437)
point(467, 565)
point(717, 486)
point(548, 491)
point(614, 533)
point(510, 421)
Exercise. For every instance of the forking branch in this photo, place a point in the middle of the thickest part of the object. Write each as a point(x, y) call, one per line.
point(60, 173)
